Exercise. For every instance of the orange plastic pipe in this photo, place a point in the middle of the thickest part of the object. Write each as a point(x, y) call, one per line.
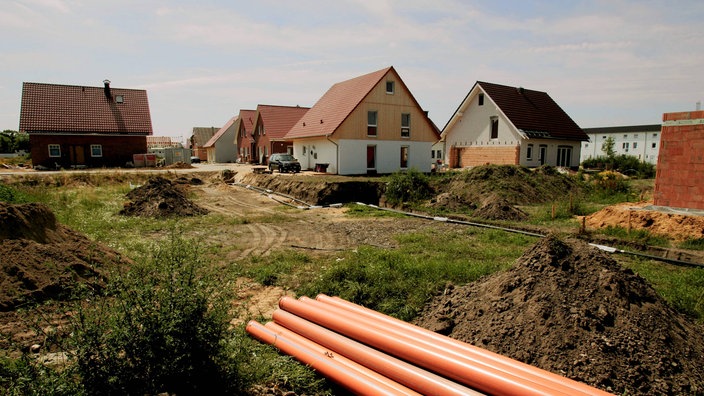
point(467, 371)
point(404, 373)
point(354, 381)
point(462, 348)
point(349, 363)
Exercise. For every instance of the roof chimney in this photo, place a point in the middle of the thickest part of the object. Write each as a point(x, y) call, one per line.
point(108, 94)
point(520, 90)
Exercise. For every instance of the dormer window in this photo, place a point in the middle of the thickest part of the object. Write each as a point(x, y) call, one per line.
point(119, 99)
point(390, 87)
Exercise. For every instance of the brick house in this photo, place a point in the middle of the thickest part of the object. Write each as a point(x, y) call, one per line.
point(79, 126)
point(244, 128)
point(199, 138)
point(498, 124)
point(365, 125)
point(271, 123)
point(678, 180)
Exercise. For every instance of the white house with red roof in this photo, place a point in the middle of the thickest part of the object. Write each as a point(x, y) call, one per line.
point(499, 124)
point(222, 147)
point(77, 126)
point(366, 125)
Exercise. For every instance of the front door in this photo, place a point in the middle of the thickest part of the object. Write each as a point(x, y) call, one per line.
point(78, 155)
point(371, 158)
point(542, 153)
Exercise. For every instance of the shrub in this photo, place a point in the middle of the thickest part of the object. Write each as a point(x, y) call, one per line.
point(159, 330)
point(610, 182)
point(411, 187)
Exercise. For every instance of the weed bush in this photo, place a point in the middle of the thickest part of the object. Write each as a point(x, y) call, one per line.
point(626, 164)
point(27, 376)
point(159, 330)
point(411, 187)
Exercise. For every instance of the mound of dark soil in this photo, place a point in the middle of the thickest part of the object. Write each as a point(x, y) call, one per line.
point(568, 308)
point(41, 259)
point(516, 184)
point(161, 198)
point(500, 209)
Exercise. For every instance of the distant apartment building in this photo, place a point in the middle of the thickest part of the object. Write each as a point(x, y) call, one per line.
point(642, 141)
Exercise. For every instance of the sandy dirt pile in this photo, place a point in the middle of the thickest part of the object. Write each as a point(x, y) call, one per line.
point(160, 197)
point(41, 259)
point(500, 209)
point(570, 309)
point(631, 215)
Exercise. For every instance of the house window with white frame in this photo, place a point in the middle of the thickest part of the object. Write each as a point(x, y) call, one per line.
point(404, 156)
point(405, 125)
point(96, 150)
point(390, 87)
point(494, 127)
point(529, 152)
point(54, 150)
point(371, 123)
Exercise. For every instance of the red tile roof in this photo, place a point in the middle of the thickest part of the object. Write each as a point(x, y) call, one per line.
point(247, 117)
point(220, 132)
point(52, 108)
point(278, 120)
point(335, 105)
point(534, 113)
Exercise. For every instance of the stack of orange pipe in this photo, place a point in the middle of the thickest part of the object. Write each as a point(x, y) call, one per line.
point(399, 356)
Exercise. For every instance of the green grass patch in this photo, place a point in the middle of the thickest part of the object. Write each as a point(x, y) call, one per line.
point(681, 287)
point(639, 236)
point(356, 210)
point(399, 281)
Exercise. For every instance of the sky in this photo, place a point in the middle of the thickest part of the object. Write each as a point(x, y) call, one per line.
point(606, 63)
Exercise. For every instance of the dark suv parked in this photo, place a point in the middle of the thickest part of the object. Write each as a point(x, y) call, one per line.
point(284, 163)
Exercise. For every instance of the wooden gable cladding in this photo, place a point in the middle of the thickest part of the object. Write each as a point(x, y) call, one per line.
point(389, 108)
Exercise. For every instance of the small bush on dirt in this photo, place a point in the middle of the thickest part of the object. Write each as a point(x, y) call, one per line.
point(610, 182)
point(628, 165)
point(11, 195)
point(410, 187)
point(159, 330)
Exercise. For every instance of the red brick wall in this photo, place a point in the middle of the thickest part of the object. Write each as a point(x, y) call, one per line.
point(117, 150)
point(482, 155)
point(679, 181)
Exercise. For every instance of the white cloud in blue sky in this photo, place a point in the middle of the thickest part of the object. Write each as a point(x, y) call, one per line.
point(606, 63)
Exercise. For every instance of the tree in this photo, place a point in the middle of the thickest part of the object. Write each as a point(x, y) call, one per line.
point(608, 147)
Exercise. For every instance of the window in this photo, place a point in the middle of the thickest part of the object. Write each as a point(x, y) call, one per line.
point(494, 127)
point(624, 146)
point(405, 125)
point(655, 135)
point(635, 136)
point(54, 150)
point(438, 155)
point(625, 136)
point(404, 156)
point(653, 145)
point(96, 150)
point(481, 99)
point(432, 154)
point(371, 123)
point(564, 156)
point(389, 87)
point(635, 145)
point(119, 99)
point(604, 137)
point(529, 152)
point(542, 154)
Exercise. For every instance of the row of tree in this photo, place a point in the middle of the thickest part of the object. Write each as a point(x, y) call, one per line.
point(13, 141)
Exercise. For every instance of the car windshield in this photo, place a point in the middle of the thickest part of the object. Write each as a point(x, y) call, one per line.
point(286, 157)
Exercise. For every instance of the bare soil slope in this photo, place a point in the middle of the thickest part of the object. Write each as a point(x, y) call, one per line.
point(568, 308)
point(159, 197)
point(41, 259)
point(634, 216)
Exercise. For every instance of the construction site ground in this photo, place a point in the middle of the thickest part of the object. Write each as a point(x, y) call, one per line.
point(502, 301)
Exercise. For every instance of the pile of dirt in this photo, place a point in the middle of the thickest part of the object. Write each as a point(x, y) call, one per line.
point(568, 308)
point(632, 216)
point(160, 197)
point(43, 260)
point(517, 185)
point(500, 209)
